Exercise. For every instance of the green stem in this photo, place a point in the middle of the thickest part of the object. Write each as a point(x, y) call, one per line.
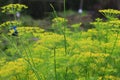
point(55, 64)
point(66, 73)
point(2, 52)
point(64, 32)
point(54, 11)
point(30, 61)
point(115, 43)
point(65, 41)
point(13, 43)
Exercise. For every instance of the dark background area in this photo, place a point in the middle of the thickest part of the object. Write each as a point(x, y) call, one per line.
point(41, 8)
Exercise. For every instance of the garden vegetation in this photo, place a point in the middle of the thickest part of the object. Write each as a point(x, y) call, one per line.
point(32, 53)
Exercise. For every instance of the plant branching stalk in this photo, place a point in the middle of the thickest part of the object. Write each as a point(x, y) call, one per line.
point(13, 43)
point(64, 32)
point(66, 73)
point(65, 40)
point(115, 42)
point(2, 52)
point(30, 61)
point(54, 11)
point(55, 64)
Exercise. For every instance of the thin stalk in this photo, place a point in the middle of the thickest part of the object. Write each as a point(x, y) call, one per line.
point(12, 42)
point(66, 70)
point(54, 11)
point(28, 56)
point(14, 14)
point(106, 40)
point(30, 61)
point(17, 77)
point(64, 32)
point(33, 68)
point(65, 39)
point(3, 53)
point(31, 56)
point(115, 43)
point(55, 14)
point(55, 64)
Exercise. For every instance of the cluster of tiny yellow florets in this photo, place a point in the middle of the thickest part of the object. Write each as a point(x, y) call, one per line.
point(117, 22)
point(59, 19)
point(88, 54)
point(23, 30)
point(30, 29)
point(76, 25)
point(111, 11)
point(18, 66)
point(109, 77)
point(110, 14)
point(59, 24)
point(10, 23)
point(13, 8)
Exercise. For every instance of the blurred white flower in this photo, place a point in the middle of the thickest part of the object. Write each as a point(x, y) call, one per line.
point(80, 11)
point(18, 14)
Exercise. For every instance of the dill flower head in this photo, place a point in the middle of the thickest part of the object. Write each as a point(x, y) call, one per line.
point(76, 26)
point(10, 24)
point(58, 24)
point(26, 30)
point(59, 20)
point(13, 8)
point(111, 77)
point(115, 22)
point(110, 13)
point(18, 66)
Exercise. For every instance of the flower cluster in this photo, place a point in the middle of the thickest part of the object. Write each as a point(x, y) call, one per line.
point(109, 77)
point(59, 19)
point(50, 40)
point(10, 24)
point(18, 66)
point(59, 24)
point(76, 26)
point(23, 30)
point(110, 11)
point(13, 8)
point(13, 67)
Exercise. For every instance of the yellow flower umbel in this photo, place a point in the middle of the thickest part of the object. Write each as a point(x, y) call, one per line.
point(110, 13)
point(59, 20)
point(18, 67)
point(76, 26)
point(59, 24)
point(36, 31)
point(13, 8)
point(10, 24)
